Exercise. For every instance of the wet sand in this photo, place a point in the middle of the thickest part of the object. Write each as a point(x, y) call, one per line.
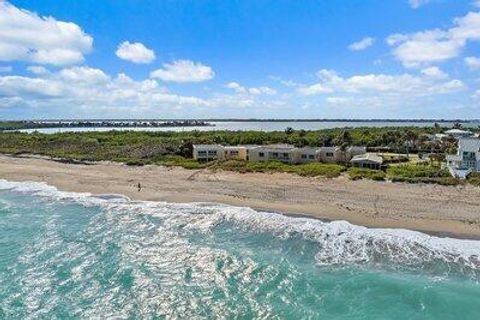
point(442, 210)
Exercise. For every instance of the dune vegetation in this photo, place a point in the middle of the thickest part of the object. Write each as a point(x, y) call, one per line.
point(175, 149)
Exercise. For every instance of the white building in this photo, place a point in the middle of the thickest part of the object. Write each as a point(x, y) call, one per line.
point(208, 152)
point(466, 160)
point(279, 152)
point(367, 160)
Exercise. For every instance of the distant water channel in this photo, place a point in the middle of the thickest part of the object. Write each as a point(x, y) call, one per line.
point(262, 126)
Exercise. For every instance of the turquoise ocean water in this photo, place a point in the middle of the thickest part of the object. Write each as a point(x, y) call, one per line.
point(75, 256)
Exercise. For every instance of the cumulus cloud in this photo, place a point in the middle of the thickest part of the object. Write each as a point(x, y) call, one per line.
point(331, 82)
point(417, 3)
point(135, 52)
point(183, 71)
point(85, 87)
point(253, 90)
point(434, 72)
point(362, 44)
point(25, 36)
point(473, 63)
point(435, 45)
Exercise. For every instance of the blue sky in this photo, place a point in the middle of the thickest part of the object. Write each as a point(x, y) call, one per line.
point(242, 59)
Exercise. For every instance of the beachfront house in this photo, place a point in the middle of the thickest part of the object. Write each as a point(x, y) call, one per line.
point(235, 152)
point(208, 152)
point(339, 155)
point(467, 159)
point(277, 152)
point(367, 161)
point(306, 154)
point(280, 152)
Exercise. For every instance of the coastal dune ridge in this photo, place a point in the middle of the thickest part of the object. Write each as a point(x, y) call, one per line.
point(339, 242)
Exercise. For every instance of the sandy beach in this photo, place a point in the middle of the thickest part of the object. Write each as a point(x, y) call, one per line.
point(440, 210)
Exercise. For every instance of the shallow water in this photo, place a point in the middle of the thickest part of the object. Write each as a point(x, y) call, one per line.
point(67, 255)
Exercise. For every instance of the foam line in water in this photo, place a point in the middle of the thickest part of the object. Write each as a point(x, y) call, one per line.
point(339, 242)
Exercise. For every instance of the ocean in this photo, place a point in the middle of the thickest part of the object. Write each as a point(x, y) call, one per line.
point(78, 256)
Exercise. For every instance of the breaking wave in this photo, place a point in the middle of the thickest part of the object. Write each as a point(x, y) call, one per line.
point(338, 243)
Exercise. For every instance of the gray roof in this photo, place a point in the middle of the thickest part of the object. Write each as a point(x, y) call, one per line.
point(367, 157)
point(458, 131)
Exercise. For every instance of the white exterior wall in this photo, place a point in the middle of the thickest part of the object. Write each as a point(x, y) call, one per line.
point(305, 155)
point(467, 158)
point(208, 152)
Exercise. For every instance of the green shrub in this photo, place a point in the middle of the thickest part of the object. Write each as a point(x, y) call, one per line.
point(309, 169)
point(474, 178)
point(416, 171)
point(361, 173)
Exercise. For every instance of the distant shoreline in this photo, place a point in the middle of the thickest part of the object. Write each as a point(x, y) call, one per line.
point(434, 209)
point(264, 120)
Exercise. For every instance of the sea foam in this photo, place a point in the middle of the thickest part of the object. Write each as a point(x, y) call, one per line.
point(339, 242)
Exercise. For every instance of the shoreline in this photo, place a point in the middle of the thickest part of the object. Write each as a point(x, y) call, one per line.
point(443, 211)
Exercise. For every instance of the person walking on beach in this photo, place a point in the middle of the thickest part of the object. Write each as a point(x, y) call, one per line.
point(139, 186)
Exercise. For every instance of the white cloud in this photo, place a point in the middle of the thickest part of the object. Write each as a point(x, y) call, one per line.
point(434, 72)
point(473, 63)
point(5, 69)
point(331, 82)
point(85, 87)
point(417, 3)
point(39, 70)
point(253, 90)
point(362, 44)
point(25, 36)
point(435, 45)
point(183, 71)
point(135, 52)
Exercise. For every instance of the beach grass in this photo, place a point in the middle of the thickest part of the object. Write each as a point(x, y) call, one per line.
point(421, 173)
point(307, 170)
point(361, 173)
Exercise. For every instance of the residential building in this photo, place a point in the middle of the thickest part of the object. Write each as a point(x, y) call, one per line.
point(235, 152)
point(306, 154)
point(279, 152)
point(208, 152)
point(368, 161)
point(467, 159)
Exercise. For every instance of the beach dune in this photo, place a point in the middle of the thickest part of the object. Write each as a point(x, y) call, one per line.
point(440, 210)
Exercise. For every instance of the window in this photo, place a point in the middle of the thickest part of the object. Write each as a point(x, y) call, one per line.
point(261, 154)
point(212, 152)
point(286, 155)
point(311, 157)
point(275, 154)
point(468, 156)
point(304, 156)
point(329, 154)
point(202, 153)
